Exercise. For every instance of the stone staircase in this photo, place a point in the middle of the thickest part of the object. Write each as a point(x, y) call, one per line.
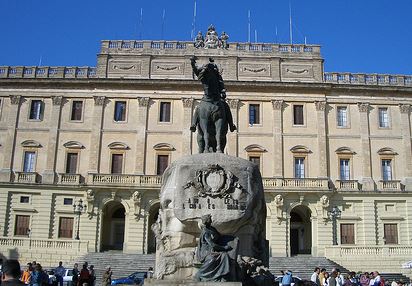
point(302, 266)
point(123, 264)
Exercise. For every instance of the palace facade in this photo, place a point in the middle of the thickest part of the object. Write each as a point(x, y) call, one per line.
point(334, 150)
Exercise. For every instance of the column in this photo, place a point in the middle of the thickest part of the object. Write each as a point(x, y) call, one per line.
point(406, 142)
point(322, 145)
point(367, 182)
point(96, 134)
point(9, 140)
point(232, 146)
point(141, 135)
point(277, 106)
point(49, 175)
point(187, 122)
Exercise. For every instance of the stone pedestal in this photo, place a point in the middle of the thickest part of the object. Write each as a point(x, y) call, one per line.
point(227, 188)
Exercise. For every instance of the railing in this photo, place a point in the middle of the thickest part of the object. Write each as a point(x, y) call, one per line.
point(390, 185)
point(47, 72)
point(119, 45)
point(347, 185)
point(298, 184)
point(70, 179)
point(26, 242)
point(125, 179)
point(368, 251)
point(368, 79)
point(27, 177)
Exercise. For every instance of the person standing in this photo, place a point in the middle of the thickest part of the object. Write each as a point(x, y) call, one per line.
point(322, 276)
point(1, 266)
point(25, 277)
point(315, 276)
point(332, 279)
point(287, 278)
point(75, 277)
point(59, 272)
point(37, 276)
point(92, 275)
point(84, 275)
point(11, 273)
point(107, 276)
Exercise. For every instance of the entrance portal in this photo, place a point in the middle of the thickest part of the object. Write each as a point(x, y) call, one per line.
point(300, 230)
point(151, 240)
point(113, 226)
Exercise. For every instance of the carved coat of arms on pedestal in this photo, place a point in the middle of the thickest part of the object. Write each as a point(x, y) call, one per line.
point(213, 181)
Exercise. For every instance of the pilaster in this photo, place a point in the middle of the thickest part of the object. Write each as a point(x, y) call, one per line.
point(233, 137)
point(277, 106)
point(322, 144)
point(96, 134)
point(367, 182)
point(9, 140)
point(405, 110)
point(49, 175)
point(187, 122)
point(141, 135)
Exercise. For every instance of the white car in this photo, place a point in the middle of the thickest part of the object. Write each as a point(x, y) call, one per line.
point(68, 276)
point(407, 265)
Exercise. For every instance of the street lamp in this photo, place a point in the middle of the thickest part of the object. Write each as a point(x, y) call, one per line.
point(78, 210)
point(334, 214)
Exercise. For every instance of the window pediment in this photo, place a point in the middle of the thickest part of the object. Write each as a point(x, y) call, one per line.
point(387, 151)
point(164, 147)
point(118, 146)
point(31, 144)
point(300, 149)
point(255, 148)
point(345, 150)
point(73, 145)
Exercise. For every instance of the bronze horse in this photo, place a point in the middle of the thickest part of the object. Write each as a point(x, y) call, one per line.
point(212, 117)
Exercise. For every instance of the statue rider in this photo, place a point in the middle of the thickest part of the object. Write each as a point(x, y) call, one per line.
point(212, 93)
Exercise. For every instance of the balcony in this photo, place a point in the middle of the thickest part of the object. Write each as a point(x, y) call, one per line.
point(70, 179)
point(347, 185)
point(315, 184)
point(392, 185)
point(369, 251)
point(52, 244)
point(27, 177)
point(152, 181)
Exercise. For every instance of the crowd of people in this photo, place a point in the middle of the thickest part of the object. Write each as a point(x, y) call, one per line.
point(35, 275)
point(335, 278)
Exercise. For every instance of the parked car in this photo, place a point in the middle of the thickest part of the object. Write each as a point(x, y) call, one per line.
point(52, 277)
point(68, 277)
point(136, 278)
point(278, 280)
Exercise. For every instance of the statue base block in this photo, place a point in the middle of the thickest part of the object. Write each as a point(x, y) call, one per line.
point(154, 282)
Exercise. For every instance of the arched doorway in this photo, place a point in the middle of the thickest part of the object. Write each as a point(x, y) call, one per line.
point(300, 230)
point(113, 226)
point(151, 240)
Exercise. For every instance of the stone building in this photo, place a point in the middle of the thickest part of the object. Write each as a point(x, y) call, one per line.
point(334, 150)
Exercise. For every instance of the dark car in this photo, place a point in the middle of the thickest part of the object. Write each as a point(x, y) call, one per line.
point(136, 278)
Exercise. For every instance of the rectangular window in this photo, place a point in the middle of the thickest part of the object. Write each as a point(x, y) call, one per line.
point(29, 161)
point(68, 201)
point(347, 233)
point(77, 110)
point(344, 169)
point(66, 227)
point(22, 225)
point(254, 114)
point(117, 163)
point(255, 159)
point(164, 115)
point(383, 117)
point(390, 233)
point(342, 116)
point(387, 169)
point(299, 167)
point(120, 111)
point(36, 110)
point(162, 163)
point(298, 115)
point(24, 199)
point(71, 163)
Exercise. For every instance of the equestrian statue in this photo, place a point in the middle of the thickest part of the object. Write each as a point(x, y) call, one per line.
point(212, 117)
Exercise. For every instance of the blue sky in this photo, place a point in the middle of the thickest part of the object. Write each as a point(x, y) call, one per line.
point(372, 36)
